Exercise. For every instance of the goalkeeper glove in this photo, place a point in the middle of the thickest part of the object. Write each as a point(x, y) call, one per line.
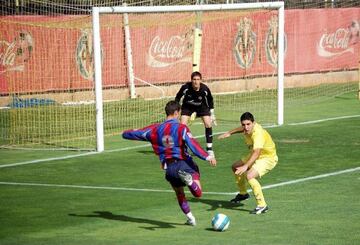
point(192, 118)
point(212, 116)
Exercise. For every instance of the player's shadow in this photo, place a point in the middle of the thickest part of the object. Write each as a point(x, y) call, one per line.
point(145, 152)
point(156, 224)
point(220, 204)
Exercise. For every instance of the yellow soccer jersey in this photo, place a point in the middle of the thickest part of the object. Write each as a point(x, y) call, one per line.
point(261, 139)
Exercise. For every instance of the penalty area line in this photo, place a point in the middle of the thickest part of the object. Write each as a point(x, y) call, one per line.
point(323, 120)
point(79, 155)
point(69, 156)
point(321, 176)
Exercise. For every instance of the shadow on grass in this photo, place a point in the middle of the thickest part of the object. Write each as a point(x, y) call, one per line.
point(220, 204)
point(108, 215)
point(145, 152)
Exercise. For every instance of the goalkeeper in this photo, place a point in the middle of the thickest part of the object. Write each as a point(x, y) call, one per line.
point(197, 99)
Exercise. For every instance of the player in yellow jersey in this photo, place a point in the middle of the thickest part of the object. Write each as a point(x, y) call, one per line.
point(260, 160)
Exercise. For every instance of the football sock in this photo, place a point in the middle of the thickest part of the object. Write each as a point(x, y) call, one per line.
point(209, 138)
point(190, 216)
point(256, 187)
point(241, 183)
point(183, 203)
point(195, 189)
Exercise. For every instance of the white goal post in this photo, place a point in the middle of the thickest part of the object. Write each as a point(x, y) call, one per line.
point(96, 11)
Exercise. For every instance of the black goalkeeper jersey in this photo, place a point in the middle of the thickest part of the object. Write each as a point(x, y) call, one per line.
point(192, 98)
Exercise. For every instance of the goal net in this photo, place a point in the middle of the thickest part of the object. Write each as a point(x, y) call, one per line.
point(47, 92)
point(152, 51)
point(54, 94)
point(49, 98)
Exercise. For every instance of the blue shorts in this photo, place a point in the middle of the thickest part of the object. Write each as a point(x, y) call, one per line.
point(172, 169)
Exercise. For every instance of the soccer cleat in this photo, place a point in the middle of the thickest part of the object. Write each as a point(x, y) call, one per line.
point(260, 210)
point(240, 197)
point(185, 177)
point(191, 222)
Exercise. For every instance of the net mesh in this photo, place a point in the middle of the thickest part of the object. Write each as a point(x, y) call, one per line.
point(163, 47)
point(46, 65)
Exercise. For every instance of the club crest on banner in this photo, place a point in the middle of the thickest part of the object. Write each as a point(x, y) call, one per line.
point(84, 55)
point(15, 54)
point(167, 51)
point(271, 41)
point(245, 43)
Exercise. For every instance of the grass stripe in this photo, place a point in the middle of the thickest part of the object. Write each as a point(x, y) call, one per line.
point(146, 145)
point(167, 191)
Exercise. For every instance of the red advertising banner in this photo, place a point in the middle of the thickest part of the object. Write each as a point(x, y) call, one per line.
point(315, 40)
point(45, 54)
point(41, 53)
point(322, 40)
point(162, 52)
point(240, 46)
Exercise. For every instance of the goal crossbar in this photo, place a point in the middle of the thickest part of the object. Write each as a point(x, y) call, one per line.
point(188, 8)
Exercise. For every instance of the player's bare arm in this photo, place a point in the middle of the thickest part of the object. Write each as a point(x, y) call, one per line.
point(231, 132)
point(243, 168)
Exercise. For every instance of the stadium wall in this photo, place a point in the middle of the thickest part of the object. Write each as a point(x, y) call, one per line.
point(36, 59)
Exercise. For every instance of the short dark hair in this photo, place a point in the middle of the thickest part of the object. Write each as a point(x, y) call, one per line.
point(171, 107)
point(196, 74)
point(247, 116)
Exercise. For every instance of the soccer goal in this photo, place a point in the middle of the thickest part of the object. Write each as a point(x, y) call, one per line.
point(239, 49)
point(71, 79)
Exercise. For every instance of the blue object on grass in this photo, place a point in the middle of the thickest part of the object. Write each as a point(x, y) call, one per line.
point(30, 102)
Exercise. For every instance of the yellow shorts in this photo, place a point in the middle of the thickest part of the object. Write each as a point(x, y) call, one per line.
point(263, 165)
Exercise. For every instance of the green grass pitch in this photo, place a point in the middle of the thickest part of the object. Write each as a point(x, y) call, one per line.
point(121, 197)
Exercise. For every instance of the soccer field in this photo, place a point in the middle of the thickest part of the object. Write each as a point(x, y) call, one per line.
point(120, 196)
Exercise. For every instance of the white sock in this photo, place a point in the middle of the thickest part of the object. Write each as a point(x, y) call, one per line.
point(190, 216)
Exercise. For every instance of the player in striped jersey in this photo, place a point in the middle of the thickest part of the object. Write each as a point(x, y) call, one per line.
point(170, 141)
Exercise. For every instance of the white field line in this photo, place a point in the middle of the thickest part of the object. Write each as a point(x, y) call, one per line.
point(166, 191)
point(146, 145)
point(70, 156)
point(46, 160)
point(323, 120)
point(79, 155)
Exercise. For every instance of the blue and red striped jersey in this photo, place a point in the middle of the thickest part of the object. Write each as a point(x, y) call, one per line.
point(170, 140)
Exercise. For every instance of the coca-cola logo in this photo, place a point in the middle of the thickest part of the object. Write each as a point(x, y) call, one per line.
point(169, 51)
point(15, 54)
point(338, 42)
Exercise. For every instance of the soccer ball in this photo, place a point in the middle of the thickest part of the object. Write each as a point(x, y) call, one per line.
point(220, 222)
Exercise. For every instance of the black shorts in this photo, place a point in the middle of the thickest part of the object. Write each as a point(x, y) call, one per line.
point(200, 110)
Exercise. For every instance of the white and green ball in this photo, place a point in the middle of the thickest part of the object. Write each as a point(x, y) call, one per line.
point(220, 222)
